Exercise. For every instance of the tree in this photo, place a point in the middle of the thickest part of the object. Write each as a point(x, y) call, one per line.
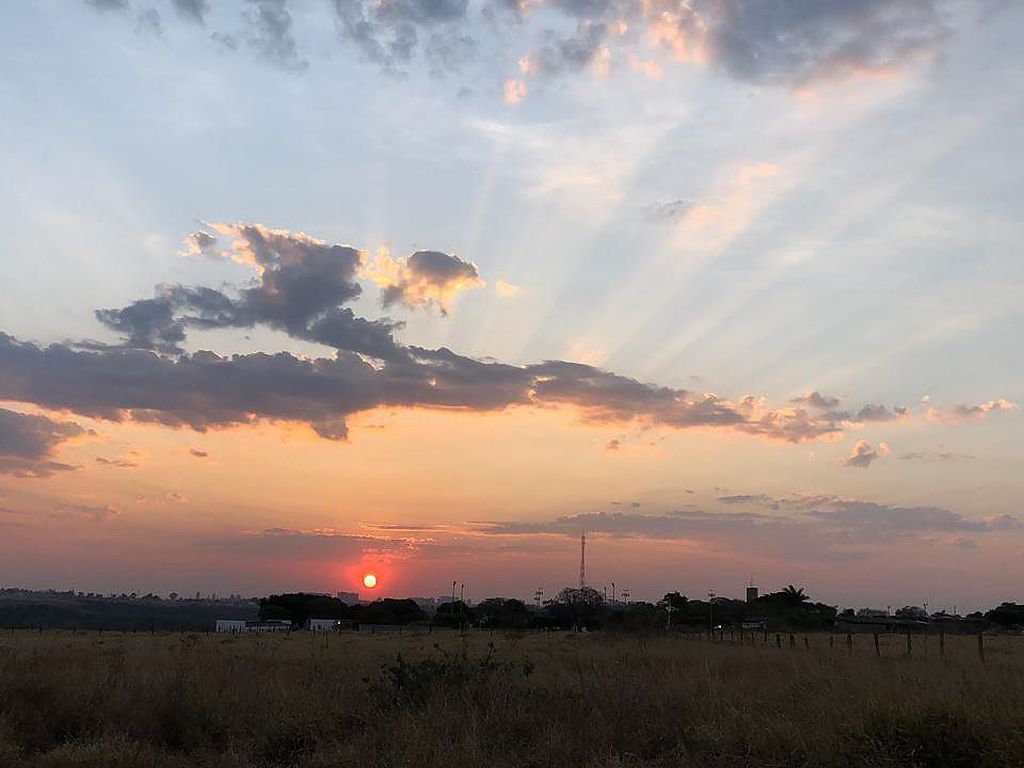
point(453, 614)
point(911, 612)
point(1006, 615)
point(390, 611)
point(577, 608)
point(502, 613)
point(794, 596)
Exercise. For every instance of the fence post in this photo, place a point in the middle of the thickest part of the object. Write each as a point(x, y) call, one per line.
point(981, 646)
point(807, 643)
point(778, 640)
point(792, 640)
point(942, 642)
point(831, 642)
point(878, 651)
point(849, 644)
point(766, 634)
point(908, 644)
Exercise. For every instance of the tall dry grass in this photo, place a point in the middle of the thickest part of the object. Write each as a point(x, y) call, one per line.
point(414, 700)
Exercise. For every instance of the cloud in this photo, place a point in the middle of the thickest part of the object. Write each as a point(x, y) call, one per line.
point(613, 445)
point(197, 453)
point(426, 277)
point(119, 463)
point(878, 413)
point(148, 21)
point(935, 456)
point(812, 528)
point(28, 442)
point(863, 454)
point(193, 10)
point(785, 42)
point(109, 5)
point(200, 243)
point(853, 514)
point(763, 42)
point(391, 34)
point(572, 53)
point(270, 33)
point(301, 286)
point(984, 409)
point(315, 543)
point(671, 212)
point(759, 499)
point(817, 400)
point(95, 512)
point(503, 288)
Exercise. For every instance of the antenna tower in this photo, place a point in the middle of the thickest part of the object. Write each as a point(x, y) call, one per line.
point(583, 561)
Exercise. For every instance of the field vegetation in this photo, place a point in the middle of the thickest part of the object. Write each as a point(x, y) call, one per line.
point(595, 700)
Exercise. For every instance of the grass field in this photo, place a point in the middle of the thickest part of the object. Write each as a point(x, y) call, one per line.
point(602, 701)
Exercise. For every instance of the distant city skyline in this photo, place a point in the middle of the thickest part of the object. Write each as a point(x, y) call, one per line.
point(297, 292)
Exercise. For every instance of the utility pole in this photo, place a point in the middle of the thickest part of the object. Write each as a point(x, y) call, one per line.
point(711, 608)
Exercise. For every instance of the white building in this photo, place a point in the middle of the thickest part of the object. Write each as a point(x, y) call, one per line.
point(238, 625)
point(321, 625)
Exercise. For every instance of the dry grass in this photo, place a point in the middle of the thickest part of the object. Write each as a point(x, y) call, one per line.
point(532, 700)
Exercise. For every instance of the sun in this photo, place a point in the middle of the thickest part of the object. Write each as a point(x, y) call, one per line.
point(370, 580)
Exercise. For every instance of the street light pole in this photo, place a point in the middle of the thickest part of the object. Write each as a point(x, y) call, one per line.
point(711, 609)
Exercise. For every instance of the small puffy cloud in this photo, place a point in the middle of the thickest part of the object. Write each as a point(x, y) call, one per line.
point(613, 445)
point(984, 409)
point(119, 463)
point(426, 277)
point(200, 243)
point(758, 499)
point(503, 288)
point(942, 455)
point(672, 211)
point(97, 512)
point(878, 413)
point(198, 453)
point(817, 400)
point(28, 442)
point(864, 454)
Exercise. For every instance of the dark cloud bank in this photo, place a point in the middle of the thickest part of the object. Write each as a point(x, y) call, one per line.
point(27, 443)
point(302, 287)
point(787, 42)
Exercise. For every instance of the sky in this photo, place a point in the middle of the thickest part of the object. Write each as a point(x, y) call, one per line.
point(296, 290)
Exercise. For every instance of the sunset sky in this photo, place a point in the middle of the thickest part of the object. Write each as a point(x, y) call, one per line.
point(295, 290)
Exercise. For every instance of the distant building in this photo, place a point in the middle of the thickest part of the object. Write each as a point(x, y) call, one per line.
point(348, 598)
point(427, 604)
point(236, 625)
point(321, 625)
point(752, 593)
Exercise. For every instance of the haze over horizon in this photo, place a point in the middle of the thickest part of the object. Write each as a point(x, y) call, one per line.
point(297, 291)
